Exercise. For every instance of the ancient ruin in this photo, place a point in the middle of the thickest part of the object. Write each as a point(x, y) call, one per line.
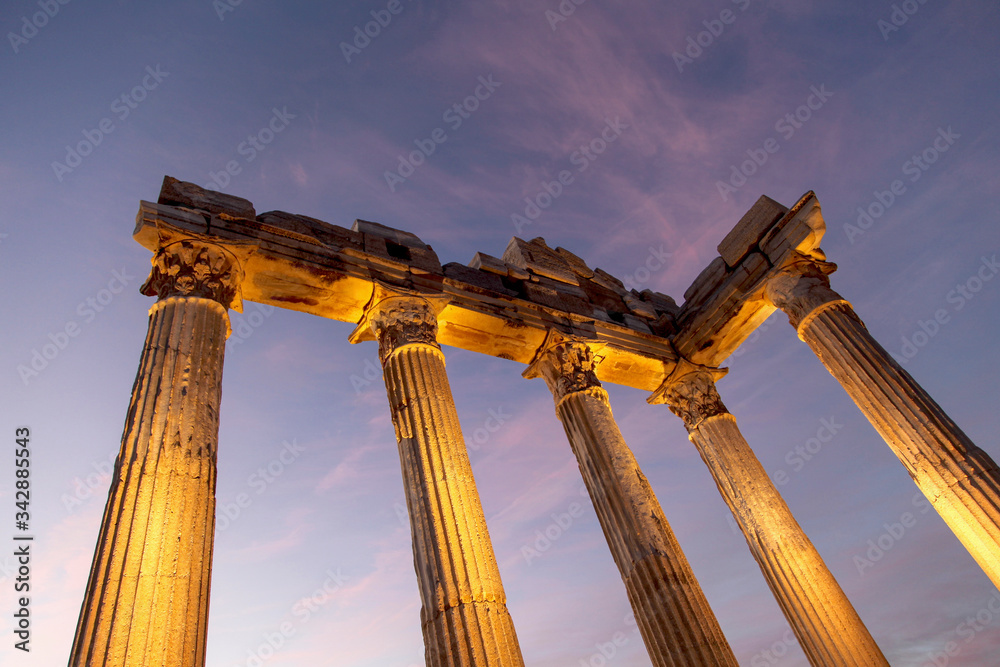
point(575, 327)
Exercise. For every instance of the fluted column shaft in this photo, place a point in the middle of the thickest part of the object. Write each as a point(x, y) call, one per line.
point(673, 615)
point(960, 480)
point(828, 628)
point(464, 615)
point(146, 603)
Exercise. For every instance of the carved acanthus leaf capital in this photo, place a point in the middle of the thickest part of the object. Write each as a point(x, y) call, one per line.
point(801, 286)
point(567, 365)
point(396, 318)
point(195, 269)
point(690, 393)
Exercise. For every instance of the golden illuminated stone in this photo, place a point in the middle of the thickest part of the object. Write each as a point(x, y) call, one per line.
point(828, 628)
point(960, 480)
point(673, 615)
point(146, 603)
point(464, 612)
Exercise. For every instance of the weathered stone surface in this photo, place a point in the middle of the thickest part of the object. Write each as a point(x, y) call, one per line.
point(828, 628)
point(538, 258)
point(478, 279)
point(706, 283)
point(146, 602)
point(798, 231)
point(485, 262)
point(673, 615)
point(710, 330)
point(310, 229)
point(579, 266)
point(638, 307)
point(406, 239)
point(660, 302)
point(608, 281)
point(182, 193)
point(464, 613)
point(959, 479)
point(751, 228)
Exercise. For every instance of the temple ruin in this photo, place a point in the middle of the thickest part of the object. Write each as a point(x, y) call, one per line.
point(575, 327)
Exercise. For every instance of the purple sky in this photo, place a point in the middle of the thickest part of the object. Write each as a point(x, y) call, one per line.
point(198, 81)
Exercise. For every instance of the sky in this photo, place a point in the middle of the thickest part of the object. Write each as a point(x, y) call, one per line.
point(888, 111)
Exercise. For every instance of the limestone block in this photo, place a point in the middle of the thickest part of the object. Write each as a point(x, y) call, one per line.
point(605, 279)
point(707, 281)
point(319, 231)
point(182, 193)
point(801, 230)
point(475, 280)
point(546, 295)
point(485, 262)
point(751, 228)
point(639, 307)
point(662, 303)
point(395, 235)
point(579, 266)
point(636, 323)
point(538, 258)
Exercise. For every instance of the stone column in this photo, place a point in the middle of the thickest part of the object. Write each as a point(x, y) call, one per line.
point(959, 479)
point(822, 618)
point(676, 622)
point(146, 603)
point(464, 615)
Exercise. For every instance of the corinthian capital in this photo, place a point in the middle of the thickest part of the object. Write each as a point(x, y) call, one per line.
point(396, 318)
point(689, 391)
point(802, 286)
point(567, 365)
point(197, 269)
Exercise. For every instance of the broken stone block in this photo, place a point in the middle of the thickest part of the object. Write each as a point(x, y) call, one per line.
point(578, 265)
point(710, 278)
point(321, 232)
point(536, 257)
point(476, 279)
point(181, 193)
point(607, 280)
point(485, 262)
point(751, 228)
point(662, 303)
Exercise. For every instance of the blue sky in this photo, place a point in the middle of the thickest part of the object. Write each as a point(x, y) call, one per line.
point(200, 78)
